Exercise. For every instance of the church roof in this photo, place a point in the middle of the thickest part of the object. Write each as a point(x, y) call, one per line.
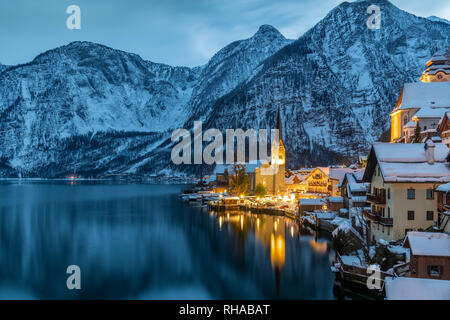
point(417, 95)
point(428, 112)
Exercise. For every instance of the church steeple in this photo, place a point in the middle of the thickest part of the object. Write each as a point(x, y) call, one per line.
point(279, 126)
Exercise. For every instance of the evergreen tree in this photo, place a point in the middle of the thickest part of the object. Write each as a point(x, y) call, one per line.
point(417, 138)
point(260, 190)
point(240, 181)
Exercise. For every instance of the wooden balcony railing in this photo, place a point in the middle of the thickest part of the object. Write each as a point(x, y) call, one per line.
point(376, 198)
point(386, 221)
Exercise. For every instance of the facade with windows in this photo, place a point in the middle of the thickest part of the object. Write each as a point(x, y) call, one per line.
point(402, 179)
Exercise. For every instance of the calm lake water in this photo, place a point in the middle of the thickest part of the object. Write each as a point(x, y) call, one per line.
point(138, 241)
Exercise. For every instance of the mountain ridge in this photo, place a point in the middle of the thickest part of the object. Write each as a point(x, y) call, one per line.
point(94, 110)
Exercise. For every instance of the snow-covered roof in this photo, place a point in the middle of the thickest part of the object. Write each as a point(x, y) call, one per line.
point(357, 187)
point(361, 199)
point(339, 173)
point(425, 94)
point(408, 152)
point(312, 202)
point(428, 112)
point(407, 162)
point(410, 124)
point(336, 199)
point(415, 172)
point(444, 187)
point(403, 288)
point(428, 243)
point(299, 176)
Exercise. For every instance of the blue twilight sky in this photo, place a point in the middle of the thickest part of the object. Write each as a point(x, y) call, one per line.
point(176, 32)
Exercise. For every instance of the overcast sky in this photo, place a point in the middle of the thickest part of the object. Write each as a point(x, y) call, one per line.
point(176, 32)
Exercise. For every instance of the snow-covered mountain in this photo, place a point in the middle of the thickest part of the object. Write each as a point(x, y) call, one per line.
point(337, 83)
point(90, 109)
point(437, 19)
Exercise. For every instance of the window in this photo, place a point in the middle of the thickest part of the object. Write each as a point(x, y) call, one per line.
point(434, 271)
point(410, 215)
point(389, 212)
point(424, 127)
point(411, 194)
point(389, 193)
point(430, 215)
point(430, 194)
point(388, 231)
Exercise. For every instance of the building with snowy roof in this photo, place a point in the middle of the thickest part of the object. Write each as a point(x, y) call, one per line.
point(444, 129)
point(429, 255)
point(353, 190)
point(402, 181)
point(423, 104)
point(443, 200)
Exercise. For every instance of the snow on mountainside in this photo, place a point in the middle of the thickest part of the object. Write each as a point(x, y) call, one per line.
point(90, 109)
point(232, 65)
point(437, 19)
point(337, 83)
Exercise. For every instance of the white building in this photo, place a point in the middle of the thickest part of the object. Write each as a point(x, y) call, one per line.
point(402, 179)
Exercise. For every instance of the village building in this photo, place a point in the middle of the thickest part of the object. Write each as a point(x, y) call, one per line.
point(429, 255)
point(353, 190)
point(326, 180)
point(402, 181)
point(310, 205)
point(335, 204)
point(296, 183)
point(443, 129)
point(443, 199)
point(423, 103)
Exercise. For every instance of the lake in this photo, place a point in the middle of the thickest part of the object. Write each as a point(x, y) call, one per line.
point(139, 241)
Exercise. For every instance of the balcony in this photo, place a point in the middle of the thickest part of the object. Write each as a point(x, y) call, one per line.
point(376, 198)
point(372, 216)
point(389, 222)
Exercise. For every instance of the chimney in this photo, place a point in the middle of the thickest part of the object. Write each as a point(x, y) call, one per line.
point(429, 151)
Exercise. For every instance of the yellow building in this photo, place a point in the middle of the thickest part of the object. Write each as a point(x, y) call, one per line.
point(402, 181)
point(325, 180)
point(423, 102)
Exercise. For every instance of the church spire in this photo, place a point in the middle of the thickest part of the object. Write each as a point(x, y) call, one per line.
point(279, 126)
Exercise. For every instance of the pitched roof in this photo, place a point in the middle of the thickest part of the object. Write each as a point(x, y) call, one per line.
point(428, 243)
point(424, 94)
point(428, 112)
point(401, 162)
point(312, 202)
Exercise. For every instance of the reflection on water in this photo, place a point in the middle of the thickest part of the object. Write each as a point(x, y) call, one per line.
point(139, 241)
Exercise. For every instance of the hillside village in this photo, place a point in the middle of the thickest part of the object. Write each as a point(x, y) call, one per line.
point(392, 204)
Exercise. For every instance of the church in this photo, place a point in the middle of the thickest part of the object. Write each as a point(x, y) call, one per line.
point(422, 105)
point(272, 175)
